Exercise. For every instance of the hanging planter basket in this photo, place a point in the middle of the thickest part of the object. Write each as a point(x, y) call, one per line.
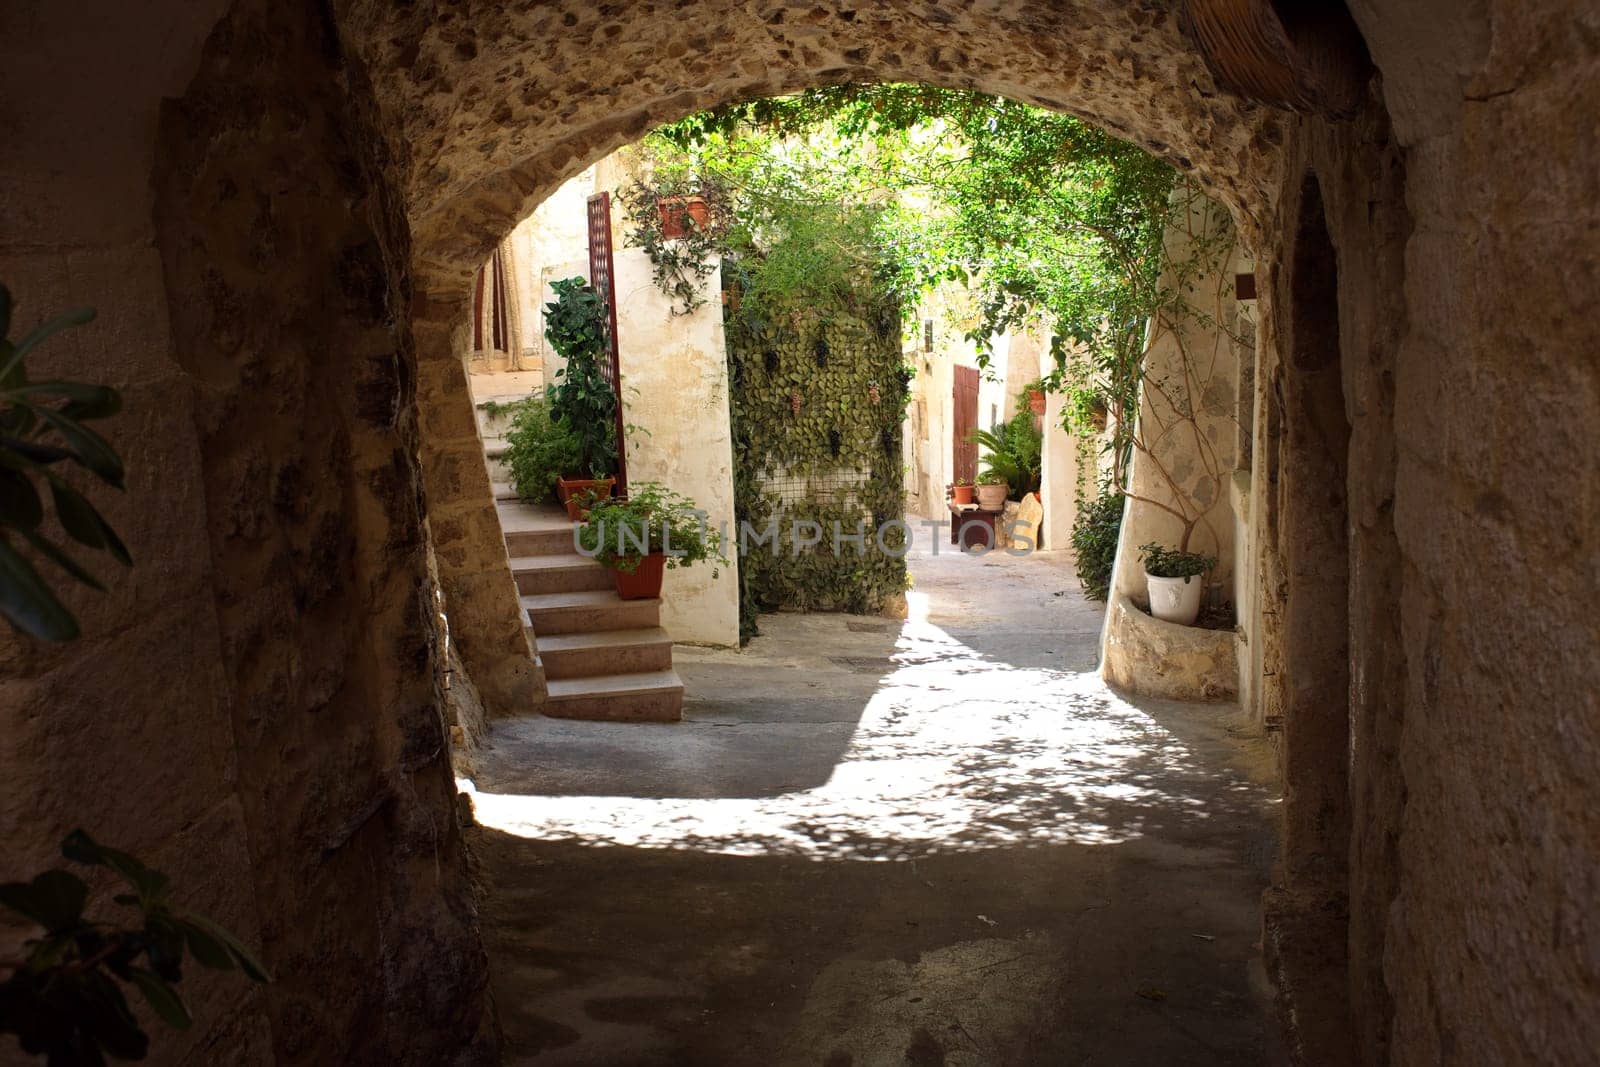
point(1036, 401)
point(679, 213)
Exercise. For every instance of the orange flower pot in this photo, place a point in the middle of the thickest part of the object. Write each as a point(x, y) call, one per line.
point(962, 494)
point(645, 582)
point(679, 213)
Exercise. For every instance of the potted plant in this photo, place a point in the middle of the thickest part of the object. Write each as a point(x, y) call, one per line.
point(539, 450)
point(641, 537)
point(1033, 396)
point(1172, 578)
point(992, 490)
point(1015, 451)
point(583, 400)
point(679, 213)
point(961, 492)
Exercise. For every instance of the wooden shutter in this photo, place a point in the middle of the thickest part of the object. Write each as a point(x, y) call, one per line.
point(602, 279)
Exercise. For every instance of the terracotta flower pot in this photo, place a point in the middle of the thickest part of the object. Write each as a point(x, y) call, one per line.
point(963, 494)
point(573, 493)
point(678, 213)
point(993, 497)
point(645, 582)
point(1036, 402)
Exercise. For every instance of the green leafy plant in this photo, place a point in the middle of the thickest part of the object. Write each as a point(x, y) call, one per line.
point(1162, 562)
point(42, 430)
point(1015, 455)
point(1094, 543)
point(652, 519)
point(583, 400)
point(838, 459)
point(539, 450)
point(64, 1000)
point(680, 266)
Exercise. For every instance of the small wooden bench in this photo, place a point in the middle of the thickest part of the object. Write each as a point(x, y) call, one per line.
point(971, 525)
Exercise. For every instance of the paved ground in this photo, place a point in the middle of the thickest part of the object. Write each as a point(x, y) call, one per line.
point(938, 841)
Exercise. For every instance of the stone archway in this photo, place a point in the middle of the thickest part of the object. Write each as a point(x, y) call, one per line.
point(1471, 772)
point(500, 111)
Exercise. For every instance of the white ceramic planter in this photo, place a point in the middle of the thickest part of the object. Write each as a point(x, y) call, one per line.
point(992, 497)
point(1175, 599)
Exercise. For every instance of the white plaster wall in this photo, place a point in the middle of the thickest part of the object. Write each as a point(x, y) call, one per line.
point(1060, 476)
point(1212, 349)
point(553, 238)
point(675, 386)
point(674, 376)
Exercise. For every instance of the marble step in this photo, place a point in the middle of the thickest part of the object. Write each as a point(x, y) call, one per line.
point(643, 696)
point(587, 655)
point(589, 611)
point(566, 573)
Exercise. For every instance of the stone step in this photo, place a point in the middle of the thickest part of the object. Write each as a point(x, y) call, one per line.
point(589, 611)
point(505, 386)
point(495, 447)
point(643, 696)
point(502, 490)
point(567, 573)
point(535, 530)
point(497, 423)
point(606, 652)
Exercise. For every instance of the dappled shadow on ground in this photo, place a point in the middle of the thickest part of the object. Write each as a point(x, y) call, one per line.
point(870, 842)
point(954, 751)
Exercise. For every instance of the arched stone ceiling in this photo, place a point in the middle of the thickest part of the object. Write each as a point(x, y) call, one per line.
point(493, 104)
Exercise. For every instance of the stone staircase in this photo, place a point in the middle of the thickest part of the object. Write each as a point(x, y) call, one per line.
point(604, 657)
point(503, 389)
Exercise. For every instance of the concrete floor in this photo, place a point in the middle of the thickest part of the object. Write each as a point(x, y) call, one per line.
point(937, 841)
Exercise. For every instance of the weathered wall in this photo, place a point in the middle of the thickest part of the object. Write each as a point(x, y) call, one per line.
point(1461, 206)
point(1477, 809)
point(675, 390)
point(127, 731)
point(253, 708)
point(285, 258)
point(1187, 429)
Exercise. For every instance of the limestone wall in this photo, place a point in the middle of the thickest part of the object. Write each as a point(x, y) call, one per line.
point(297, 782)
point(1187, 428)
point(254, 708)
point(675, 390)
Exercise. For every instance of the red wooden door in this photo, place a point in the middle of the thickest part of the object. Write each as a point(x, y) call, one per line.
point(964, 461)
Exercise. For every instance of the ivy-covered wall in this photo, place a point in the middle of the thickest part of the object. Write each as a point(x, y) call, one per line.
point(817, 404)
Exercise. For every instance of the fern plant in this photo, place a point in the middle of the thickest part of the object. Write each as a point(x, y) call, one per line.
point(1014, 453)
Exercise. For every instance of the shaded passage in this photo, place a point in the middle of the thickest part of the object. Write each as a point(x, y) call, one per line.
point(941, 840)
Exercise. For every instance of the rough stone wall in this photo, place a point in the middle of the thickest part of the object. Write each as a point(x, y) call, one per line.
point(124, 732)
point(500, 107)
point(1463, 220)
point(285, 255)
point(1478, 807)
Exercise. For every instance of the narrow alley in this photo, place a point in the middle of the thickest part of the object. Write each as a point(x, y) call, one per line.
point(874, 841)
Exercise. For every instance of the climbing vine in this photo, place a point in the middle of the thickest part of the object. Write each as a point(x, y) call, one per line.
point(817, 404)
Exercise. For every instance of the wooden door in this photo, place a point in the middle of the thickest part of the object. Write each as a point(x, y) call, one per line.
point(964, 419)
